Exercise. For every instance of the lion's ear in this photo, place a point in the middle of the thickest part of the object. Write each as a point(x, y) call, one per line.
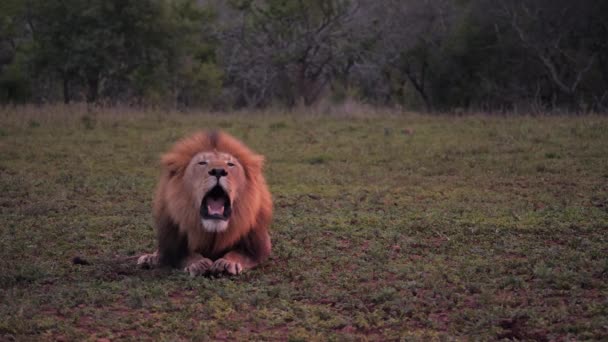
point(260, 160)
point(254, 164)
point(170, 162)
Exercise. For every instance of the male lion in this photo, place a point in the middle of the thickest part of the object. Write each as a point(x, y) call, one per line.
point(212, 207)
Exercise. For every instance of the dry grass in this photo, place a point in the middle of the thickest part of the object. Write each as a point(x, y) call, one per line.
point(388, 226)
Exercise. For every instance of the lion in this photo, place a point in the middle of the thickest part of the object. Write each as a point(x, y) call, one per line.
point(212, 209)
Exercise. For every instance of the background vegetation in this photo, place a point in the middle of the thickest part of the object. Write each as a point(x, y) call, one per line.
point(524, 55)
point(386, 227)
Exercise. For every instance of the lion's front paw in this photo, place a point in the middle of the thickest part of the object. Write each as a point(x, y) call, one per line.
point(226, 266)
point(148, 260)
point(198, 267)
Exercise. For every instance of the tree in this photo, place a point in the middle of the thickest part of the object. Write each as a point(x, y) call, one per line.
point(410, 36)
point(14, 83)
point(288, 49)
point(557, 34)
point(116, 49)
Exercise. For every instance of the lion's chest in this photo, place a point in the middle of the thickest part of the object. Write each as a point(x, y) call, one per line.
point(211, 245)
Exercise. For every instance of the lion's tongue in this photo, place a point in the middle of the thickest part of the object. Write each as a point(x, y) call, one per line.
point(215, 206)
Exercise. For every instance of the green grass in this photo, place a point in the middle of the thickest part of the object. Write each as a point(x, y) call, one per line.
point(468, 228)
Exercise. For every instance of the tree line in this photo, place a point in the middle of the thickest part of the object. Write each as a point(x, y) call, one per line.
point(434, 55)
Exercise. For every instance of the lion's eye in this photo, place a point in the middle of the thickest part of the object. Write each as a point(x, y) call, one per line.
point(230, 164)
point(202, 163)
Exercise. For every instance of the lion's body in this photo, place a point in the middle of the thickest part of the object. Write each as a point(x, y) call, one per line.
point(198, 245)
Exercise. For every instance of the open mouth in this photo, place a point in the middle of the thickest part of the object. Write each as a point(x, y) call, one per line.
point(216, 205)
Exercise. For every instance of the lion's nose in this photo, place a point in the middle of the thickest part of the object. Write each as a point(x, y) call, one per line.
point(218, 172)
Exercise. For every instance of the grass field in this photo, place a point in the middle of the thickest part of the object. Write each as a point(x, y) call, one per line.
point(386, 227)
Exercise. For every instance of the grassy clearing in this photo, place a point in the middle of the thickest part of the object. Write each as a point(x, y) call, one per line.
point(386, 227)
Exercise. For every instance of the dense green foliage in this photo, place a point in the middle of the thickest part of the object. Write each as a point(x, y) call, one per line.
point(386, 228)
point(436, 55)
point(115, 50)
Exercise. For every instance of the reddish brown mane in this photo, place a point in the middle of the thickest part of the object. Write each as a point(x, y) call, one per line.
point(177, 159)
point(252, 208)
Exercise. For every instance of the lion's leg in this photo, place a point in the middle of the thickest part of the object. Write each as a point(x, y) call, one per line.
point(148, 260)
point(196, 265)
point(249, 252)
point(232, 263)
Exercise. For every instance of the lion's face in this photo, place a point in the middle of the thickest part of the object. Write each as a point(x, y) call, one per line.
point(215, 179)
